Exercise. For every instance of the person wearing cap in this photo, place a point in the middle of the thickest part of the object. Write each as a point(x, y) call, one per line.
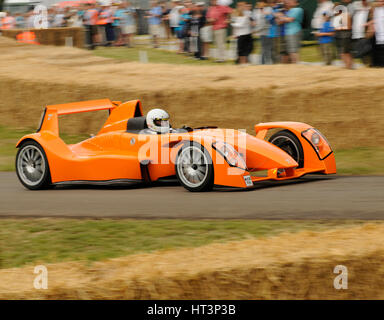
point(325, 37)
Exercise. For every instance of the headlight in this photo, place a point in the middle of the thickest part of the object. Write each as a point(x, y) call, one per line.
point(318, 142)
point(230, 154)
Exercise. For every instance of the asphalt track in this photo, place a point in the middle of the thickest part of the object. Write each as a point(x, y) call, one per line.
point(311, 197)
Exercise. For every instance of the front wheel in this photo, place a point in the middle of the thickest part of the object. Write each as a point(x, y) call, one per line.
point(289, 143)
point(194, 168)
point(32, 166)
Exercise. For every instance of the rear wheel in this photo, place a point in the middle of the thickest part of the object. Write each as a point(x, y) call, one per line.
point(194, 168)
point(32, 166)
point(289, 143)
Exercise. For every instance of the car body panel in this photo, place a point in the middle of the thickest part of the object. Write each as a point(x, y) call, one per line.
point(116, 154)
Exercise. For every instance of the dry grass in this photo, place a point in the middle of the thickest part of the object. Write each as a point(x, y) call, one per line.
point(346, 105)
point(289, 266)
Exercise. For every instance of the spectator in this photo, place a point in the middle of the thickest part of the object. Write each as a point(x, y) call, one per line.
point(128, 25)
point(174, 16)
point(90, 18)
point(197, 22)
point(8, 22)
point(118, 17)
point(19, 21)
point(242, 31)
point(343, 34)
point(105, 22)
point(272, 40)
point(292, 21)
point(280, 10)
point(359, 27)
point(325, 37)
point(154, 21)
point(378, 43)
point(31, 20)
point(206, 35)
point(183, 29)
point(165, 19)
point(263, 25)
point(317, 19)
point(58, 20)
point(218, 15)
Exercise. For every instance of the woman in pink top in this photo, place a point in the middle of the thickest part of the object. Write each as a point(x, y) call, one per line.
point(218, 16)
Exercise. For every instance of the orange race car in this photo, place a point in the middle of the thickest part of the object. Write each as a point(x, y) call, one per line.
point(131, 147)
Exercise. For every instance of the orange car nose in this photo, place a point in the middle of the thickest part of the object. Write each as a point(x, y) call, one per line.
point(264, 155)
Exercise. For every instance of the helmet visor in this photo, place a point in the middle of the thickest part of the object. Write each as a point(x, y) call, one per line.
point(161, 122)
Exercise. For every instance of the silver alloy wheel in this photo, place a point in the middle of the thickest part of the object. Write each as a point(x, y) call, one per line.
point(31, 165)
point(192, 166)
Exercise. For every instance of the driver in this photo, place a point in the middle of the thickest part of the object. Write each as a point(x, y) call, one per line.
point(158, 121)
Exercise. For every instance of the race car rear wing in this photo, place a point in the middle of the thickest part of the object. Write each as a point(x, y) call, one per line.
point(49, 119)
point(83, 106)
point(118, 112)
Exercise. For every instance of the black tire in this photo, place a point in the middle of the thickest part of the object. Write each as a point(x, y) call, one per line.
point(289, 143)
point(33, 172)
point(195, 175)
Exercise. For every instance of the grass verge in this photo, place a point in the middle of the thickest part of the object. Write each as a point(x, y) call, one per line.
point(26, 241)
point(356, 161)
point(307, 54)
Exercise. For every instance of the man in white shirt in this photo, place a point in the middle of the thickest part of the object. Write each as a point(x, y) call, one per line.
point(174, 15)
point(322, 6)
point(359, 26)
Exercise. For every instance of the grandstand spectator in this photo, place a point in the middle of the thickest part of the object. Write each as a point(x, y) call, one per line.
point(292, 21)
point(242, 30)
point(218, 15)
point(154, 22)
point(325, 37)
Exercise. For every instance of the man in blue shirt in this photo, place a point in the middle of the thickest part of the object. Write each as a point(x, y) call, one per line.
point(154, 22)
point(325, 37)
point(292, 21)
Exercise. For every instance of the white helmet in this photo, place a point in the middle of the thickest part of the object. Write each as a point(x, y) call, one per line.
point(158, 120)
